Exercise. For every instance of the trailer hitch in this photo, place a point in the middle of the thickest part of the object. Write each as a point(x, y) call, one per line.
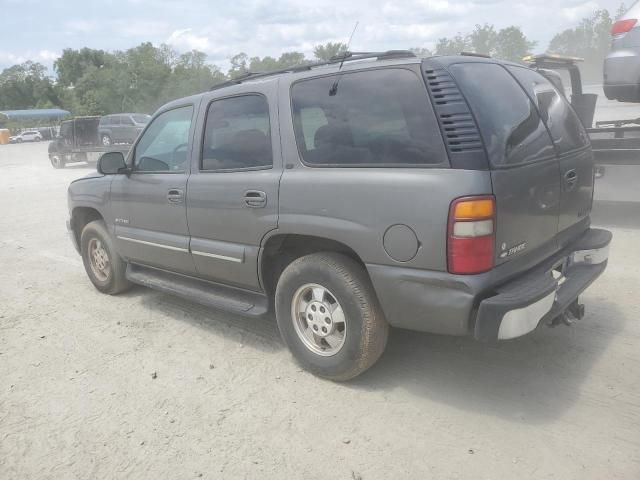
point(573, 312)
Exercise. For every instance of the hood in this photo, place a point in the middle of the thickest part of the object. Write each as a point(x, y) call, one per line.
point(88, 177)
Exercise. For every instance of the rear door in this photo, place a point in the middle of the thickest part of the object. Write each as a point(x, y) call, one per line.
point(525, 171)
point(127, 129)
point(232, 199)
point(573, 150)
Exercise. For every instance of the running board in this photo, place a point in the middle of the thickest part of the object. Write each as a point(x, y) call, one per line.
point(200, 291)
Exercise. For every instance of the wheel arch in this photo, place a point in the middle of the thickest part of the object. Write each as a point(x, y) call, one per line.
point(280, 249)
point(80, 217)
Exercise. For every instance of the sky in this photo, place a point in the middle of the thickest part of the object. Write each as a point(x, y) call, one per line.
point(39, 30)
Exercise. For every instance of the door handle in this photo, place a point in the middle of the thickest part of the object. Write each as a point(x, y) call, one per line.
point(255, 199)
point(175, 196)
point(570, 180)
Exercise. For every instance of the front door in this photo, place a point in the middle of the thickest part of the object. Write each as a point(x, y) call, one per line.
point(233, 190)
point(149, 205)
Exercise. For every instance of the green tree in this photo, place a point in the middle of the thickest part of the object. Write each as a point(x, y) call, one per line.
point(73, 64)
point(590, 40)
point(25, 86)
point(421, 52)
point(239, 65)
point(452, 46)
point(511, 44)
point(329, 50)
point(483, 39)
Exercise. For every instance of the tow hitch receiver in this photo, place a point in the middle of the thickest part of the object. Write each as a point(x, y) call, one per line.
point(574, 312)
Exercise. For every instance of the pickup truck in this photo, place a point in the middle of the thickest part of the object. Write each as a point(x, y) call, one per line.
point(449, 195)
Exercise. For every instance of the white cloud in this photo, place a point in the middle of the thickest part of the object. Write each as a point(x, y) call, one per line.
point(185, 39)
point(579, 11)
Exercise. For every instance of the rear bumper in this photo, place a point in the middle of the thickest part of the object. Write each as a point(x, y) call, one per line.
point(480, 305)
point(544, 293)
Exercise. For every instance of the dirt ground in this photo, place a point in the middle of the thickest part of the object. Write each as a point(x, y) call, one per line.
point(145, 385)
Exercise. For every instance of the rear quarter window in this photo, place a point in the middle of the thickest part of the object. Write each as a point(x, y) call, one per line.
point(510, 125)
point(566, 128)
point(370, 118)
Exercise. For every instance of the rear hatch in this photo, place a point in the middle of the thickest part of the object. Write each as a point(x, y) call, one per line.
point(539, 156)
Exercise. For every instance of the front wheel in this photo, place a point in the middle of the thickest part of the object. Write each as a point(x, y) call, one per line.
point(103, 265)
point(329, 317)
point(57, 160)
point(106, 140)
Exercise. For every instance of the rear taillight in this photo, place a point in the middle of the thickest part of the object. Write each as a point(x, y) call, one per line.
point(471, 234)
point(623, 26)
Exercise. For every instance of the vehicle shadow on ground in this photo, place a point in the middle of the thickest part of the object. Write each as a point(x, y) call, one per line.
point(260, 333)
point(533, 379)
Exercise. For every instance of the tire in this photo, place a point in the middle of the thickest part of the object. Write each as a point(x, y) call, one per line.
point(106, 140)
point(19, 140)
point(57, 160)
point(365, 330)
point(111, 279)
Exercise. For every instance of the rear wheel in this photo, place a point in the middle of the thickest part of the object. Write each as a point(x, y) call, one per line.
point(329, 316)
point(103, 265)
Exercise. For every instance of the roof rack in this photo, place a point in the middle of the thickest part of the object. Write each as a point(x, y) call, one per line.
point(475, 54)
point(345, 57)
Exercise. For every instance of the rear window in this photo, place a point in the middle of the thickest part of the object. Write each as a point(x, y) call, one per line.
point(372, 118)
point(143, 119)
point(566, 129)
point(512, 130)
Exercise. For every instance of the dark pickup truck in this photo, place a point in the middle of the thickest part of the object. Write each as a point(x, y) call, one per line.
point(79, 141)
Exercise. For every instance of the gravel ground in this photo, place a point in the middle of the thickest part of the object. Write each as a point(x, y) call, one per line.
point(145, 385)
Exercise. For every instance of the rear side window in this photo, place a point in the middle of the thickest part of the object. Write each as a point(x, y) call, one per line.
point(512, 130)
point(566, 128)
point(237, 134)
point(372, 118)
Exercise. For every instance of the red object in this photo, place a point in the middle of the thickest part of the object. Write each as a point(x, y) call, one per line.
point(470, 255)
point(623, 26)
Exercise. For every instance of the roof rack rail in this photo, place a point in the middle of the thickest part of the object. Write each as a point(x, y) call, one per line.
point(475, 54)
point(345, 57)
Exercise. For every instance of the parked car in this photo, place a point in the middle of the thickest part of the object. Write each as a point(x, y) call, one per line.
point(28, 136)
point(121, 127)
point(449, 195)
point(622, 65)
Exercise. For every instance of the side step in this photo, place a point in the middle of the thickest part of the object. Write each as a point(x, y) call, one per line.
point(205, 293)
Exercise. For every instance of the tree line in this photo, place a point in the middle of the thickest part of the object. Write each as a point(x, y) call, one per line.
point(97, 82)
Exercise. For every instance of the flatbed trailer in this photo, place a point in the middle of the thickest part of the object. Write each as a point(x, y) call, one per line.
point(614, 142)
point(79, 141)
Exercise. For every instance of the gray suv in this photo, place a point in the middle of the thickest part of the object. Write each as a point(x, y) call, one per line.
point(121, 127)
point(449, 195)
point(622, 65)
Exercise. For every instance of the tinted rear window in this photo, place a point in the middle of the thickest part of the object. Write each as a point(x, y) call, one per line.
point(372, 118)
point(565, 126)
point(512, 130)
point(144, 119)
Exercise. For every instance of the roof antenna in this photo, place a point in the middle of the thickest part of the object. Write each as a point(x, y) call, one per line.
point(334, 88)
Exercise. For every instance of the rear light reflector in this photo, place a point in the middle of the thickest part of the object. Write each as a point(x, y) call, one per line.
point(471, 235)
point(623, 26)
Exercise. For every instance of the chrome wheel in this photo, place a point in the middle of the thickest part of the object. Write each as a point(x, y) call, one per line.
point(106, 141)
point(99, 259)
point(318, 319)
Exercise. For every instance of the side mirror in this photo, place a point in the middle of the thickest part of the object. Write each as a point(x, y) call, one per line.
point(112, 163)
